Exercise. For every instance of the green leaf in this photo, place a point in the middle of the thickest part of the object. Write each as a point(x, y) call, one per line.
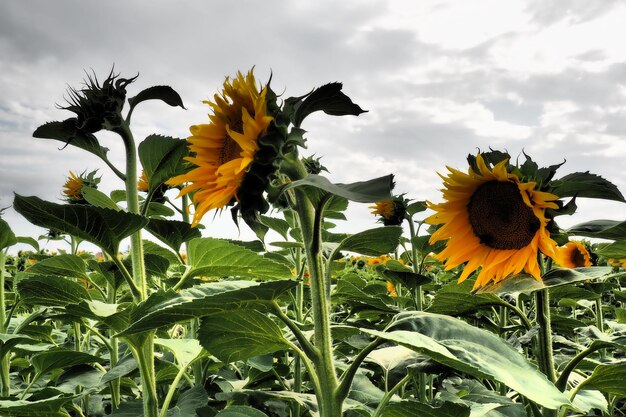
point(49, 407)
point(50, 290)
point(172, 232)
point(156, 265)
point(456, 299)
point(162, 158)
point(468, 349)
point(155, 249)
point(413, 408)
point(584, 184)
point(67, 133)
point(85, 376)
point(188, 402)
point(278, 225)
point(164, 309)
point(102, 227)
point(377, 189)
point(159, 92)
point(373, 242)
point(240, 411)
point(9, 341)
point(132, 408)
point(185, 350)
point(217, 257)
point(159, 210)
point(524, 283)
point(64, 265)
point(327, 98)
point(613, 250)
point(60, 358)
point(608, 378)
point(98, 199)
point(28, 241)
point(354, 290)
point(7, 237)
point(240, 334)
point(416, 207)
point(603, 229)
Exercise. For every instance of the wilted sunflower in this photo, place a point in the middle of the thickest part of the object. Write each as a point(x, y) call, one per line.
point(573, 254)
point(491, 219)
point(225, 148)
point(391, 212)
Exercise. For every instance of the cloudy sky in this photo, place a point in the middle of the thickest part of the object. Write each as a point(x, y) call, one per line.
point(440, 80)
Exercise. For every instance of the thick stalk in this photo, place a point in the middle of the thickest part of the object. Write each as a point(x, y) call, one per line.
point(144, 355)
point(544, 339)
point(310, 224)
point(4, 361)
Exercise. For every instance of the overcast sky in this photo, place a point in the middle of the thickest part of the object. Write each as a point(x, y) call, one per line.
point(440, 80)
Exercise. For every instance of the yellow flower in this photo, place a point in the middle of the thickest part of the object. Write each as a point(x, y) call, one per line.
point(226, 147)
point(391, 289)
point(392, 212)
point(383, 208)
point(142, 183)
point(380, 260)
point(73, 187)
point(573, 255)
point(491, 219)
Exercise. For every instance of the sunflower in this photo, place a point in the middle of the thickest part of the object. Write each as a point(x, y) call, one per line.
point(391, 212)
point(73, 187)
point(491, 219)
point(142, 183)
point(226, 147)
point(573, 255)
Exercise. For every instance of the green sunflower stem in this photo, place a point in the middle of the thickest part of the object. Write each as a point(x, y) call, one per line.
point(330, 405)
point(546, 355)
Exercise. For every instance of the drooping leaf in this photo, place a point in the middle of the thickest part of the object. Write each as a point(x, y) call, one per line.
point(524, 283)
point(163, 309)
point(50, 290)
point(172, 232)
point(278, 225)
point(327, 98)
point(63, 265)
point(132, 408)
point(454, 299)
point(7, 237)
point(61, 358)
point(162, 158)
point(477, 352)
point(608, 378)
point(377, 189)
point(98, 199)
point(240, 334)
point(49, 407)
point(27, 240)
point(603, 229)
point(585, 184)
point(159, 92)
point(216, 257)
point(155, 249)
point(188, 402)
point(8, 341)
point(67, 133)
point(102, 227)
point(373, 242)
point(612, 250)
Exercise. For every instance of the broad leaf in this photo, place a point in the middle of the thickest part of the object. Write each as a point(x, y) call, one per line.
point(29, 241)
point(64, 265)
point(370, 191)
point(413, 408)
point(49, 407)
point(185, 350)
point(240, 411)
point(7, 237)
point(98, 199)
point(280, 226)
point(613, 250)
point(60, 358)
point(159, 92)
point(524, 283)
point(102, 227)
point(603, 229)
point(50, 290)
point(373, 242)
point(455, 299)
point(162, 158)
point(240, 334)
point(172, 232)
point(67, 133)
point(327, 98)
point(608, 378)
point(477, 352)
point(216, 257)
point(585, 184)
point(164, 309)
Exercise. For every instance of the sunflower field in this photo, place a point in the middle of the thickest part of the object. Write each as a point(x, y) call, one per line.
point(477, 304)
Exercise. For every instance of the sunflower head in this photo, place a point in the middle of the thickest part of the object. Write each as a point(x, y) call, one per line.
point(73, 187)
point(574, 254)
point(235, 155)
point(98, 106)
point(493, 220)
point(392, 212)
point(142, 183)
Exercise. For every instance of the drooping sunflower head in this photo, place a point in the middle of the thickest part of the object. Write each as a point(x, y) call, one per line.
point(573, 254)
point(234, 155)
point(392, 212)
point(74, 185)
point(492, 220)
point(98, 106)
